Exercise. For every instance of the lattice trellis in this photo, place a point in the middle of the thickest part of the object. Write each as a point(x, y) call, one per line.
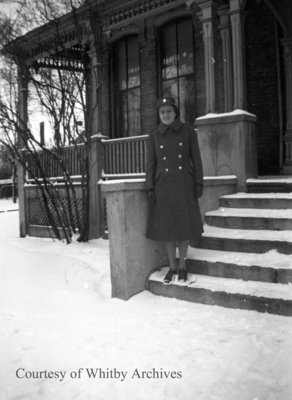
point(38, 215)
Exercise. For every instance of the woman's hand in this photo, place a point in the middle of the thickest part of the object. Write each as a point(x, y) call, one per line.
point(198, 190)
point(151, 196)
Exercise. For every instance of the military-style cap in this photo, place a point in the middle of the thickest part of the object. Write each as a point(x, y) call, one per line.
point(166, 101)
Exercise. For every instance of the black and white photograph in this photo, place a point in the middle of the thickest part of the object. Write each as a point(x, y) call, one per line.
point(146, 199)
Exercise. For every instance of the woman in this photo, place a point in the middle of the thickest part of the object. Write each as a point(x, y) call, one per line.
point(174, 181)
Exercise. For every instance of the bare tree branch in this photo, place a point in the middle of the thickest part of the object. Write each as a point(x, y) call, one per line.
point(61, 96)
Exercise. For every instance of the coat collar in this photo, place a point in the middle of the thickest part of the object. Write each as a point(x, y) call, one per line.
point(176, 125)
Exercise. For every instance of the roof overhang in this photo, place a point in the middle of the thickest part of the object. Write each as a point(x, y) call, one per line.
point(61, 43)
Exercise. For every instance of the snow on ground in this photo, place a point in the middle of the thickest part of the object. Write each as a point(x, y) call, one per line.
point(57, 317)
point(7, 205)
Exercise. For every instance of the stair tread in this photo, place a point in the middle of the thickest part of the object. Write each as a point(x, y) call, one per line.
point(246, 234)
point(251, 213)
point(270, 259)
point(270, 180)
point(234, 286)
point(267, 196)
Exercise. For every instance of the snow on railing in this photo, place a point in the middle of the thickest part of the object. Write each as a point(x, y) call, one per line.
point(53, 164)
point(123, 157)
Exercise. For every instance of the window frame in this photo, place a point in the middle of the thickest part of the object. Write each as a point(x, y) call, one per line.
point(117, 92)
point(192, 75)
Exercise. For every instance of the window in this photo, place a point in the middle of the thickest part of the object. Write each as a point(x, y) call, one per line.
point(177, 66)
point(127, 87)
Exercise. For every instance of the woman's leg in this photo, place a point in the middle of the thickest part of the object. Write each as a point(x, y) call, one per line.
point(183, 250)
point(170, 250)
point(182, 269)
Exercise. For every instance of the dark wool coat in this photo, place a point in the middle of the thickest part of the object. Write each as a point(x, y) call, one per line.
point(173, 169)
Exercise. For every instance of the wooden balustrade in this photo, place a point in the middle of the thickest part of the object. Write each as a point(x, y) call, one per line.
point(118, 158)
point(125, 157)
point(54, 164)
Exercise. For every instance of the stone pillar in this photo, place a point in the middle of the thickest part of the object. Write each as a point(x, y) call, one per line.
point(228, 146)
point(236, 19)
point(22, 122)
point(227, 58)
point(206, 16)
point(132, 256)
point(287, 44)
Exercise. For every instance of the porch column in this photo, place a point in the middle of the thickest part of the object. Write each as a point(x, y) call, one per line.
point(22, 126)
point(236, 18)
point(93, 86)
point(287, 44)
point(96, 149)
point(224, 28)
point(207, 16)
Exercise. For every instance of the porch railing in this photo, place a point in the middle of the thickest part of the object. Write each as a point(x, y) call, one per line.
point(109, 159)
point(124, 157)
point(54, 164)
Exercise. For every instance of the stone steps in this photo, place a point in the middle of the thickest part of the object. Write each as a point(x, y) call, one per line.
point(269, 185)
point(232, 293)
point(244, 258)
point(253, 218)
point(257, 200)
point(269, 267)
point(244, 240)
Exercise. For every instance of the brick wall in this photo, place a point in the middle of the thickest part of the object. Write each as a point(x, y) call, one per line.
point(261, 73)
point(105, 96)
point(149, 82)
point(148, 39)
point(262, 87)
point(200, 86)
point(149, 75)
point(261, 78)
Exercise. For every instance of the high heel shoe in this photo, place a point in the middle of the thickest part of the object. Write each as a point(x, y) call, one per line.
point(168, 277)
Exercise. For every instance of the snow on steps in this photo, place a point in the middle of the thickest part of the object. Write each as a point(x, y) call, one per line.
point(250, 218)
point(270, 267)
point(248, 268)
point(246, 240)
point(232, 293)
point(257, 200)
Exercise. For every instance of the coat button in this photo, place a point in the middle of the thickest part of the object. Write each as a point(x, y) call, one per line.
point(179, 156)
point(180, 143)
point(161, 146)
point(164, 158)
point(166, 169)
point(180, 167)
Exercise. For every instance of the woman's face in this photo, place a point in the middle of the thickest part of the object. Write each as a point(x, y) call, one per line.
point(166, 114)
